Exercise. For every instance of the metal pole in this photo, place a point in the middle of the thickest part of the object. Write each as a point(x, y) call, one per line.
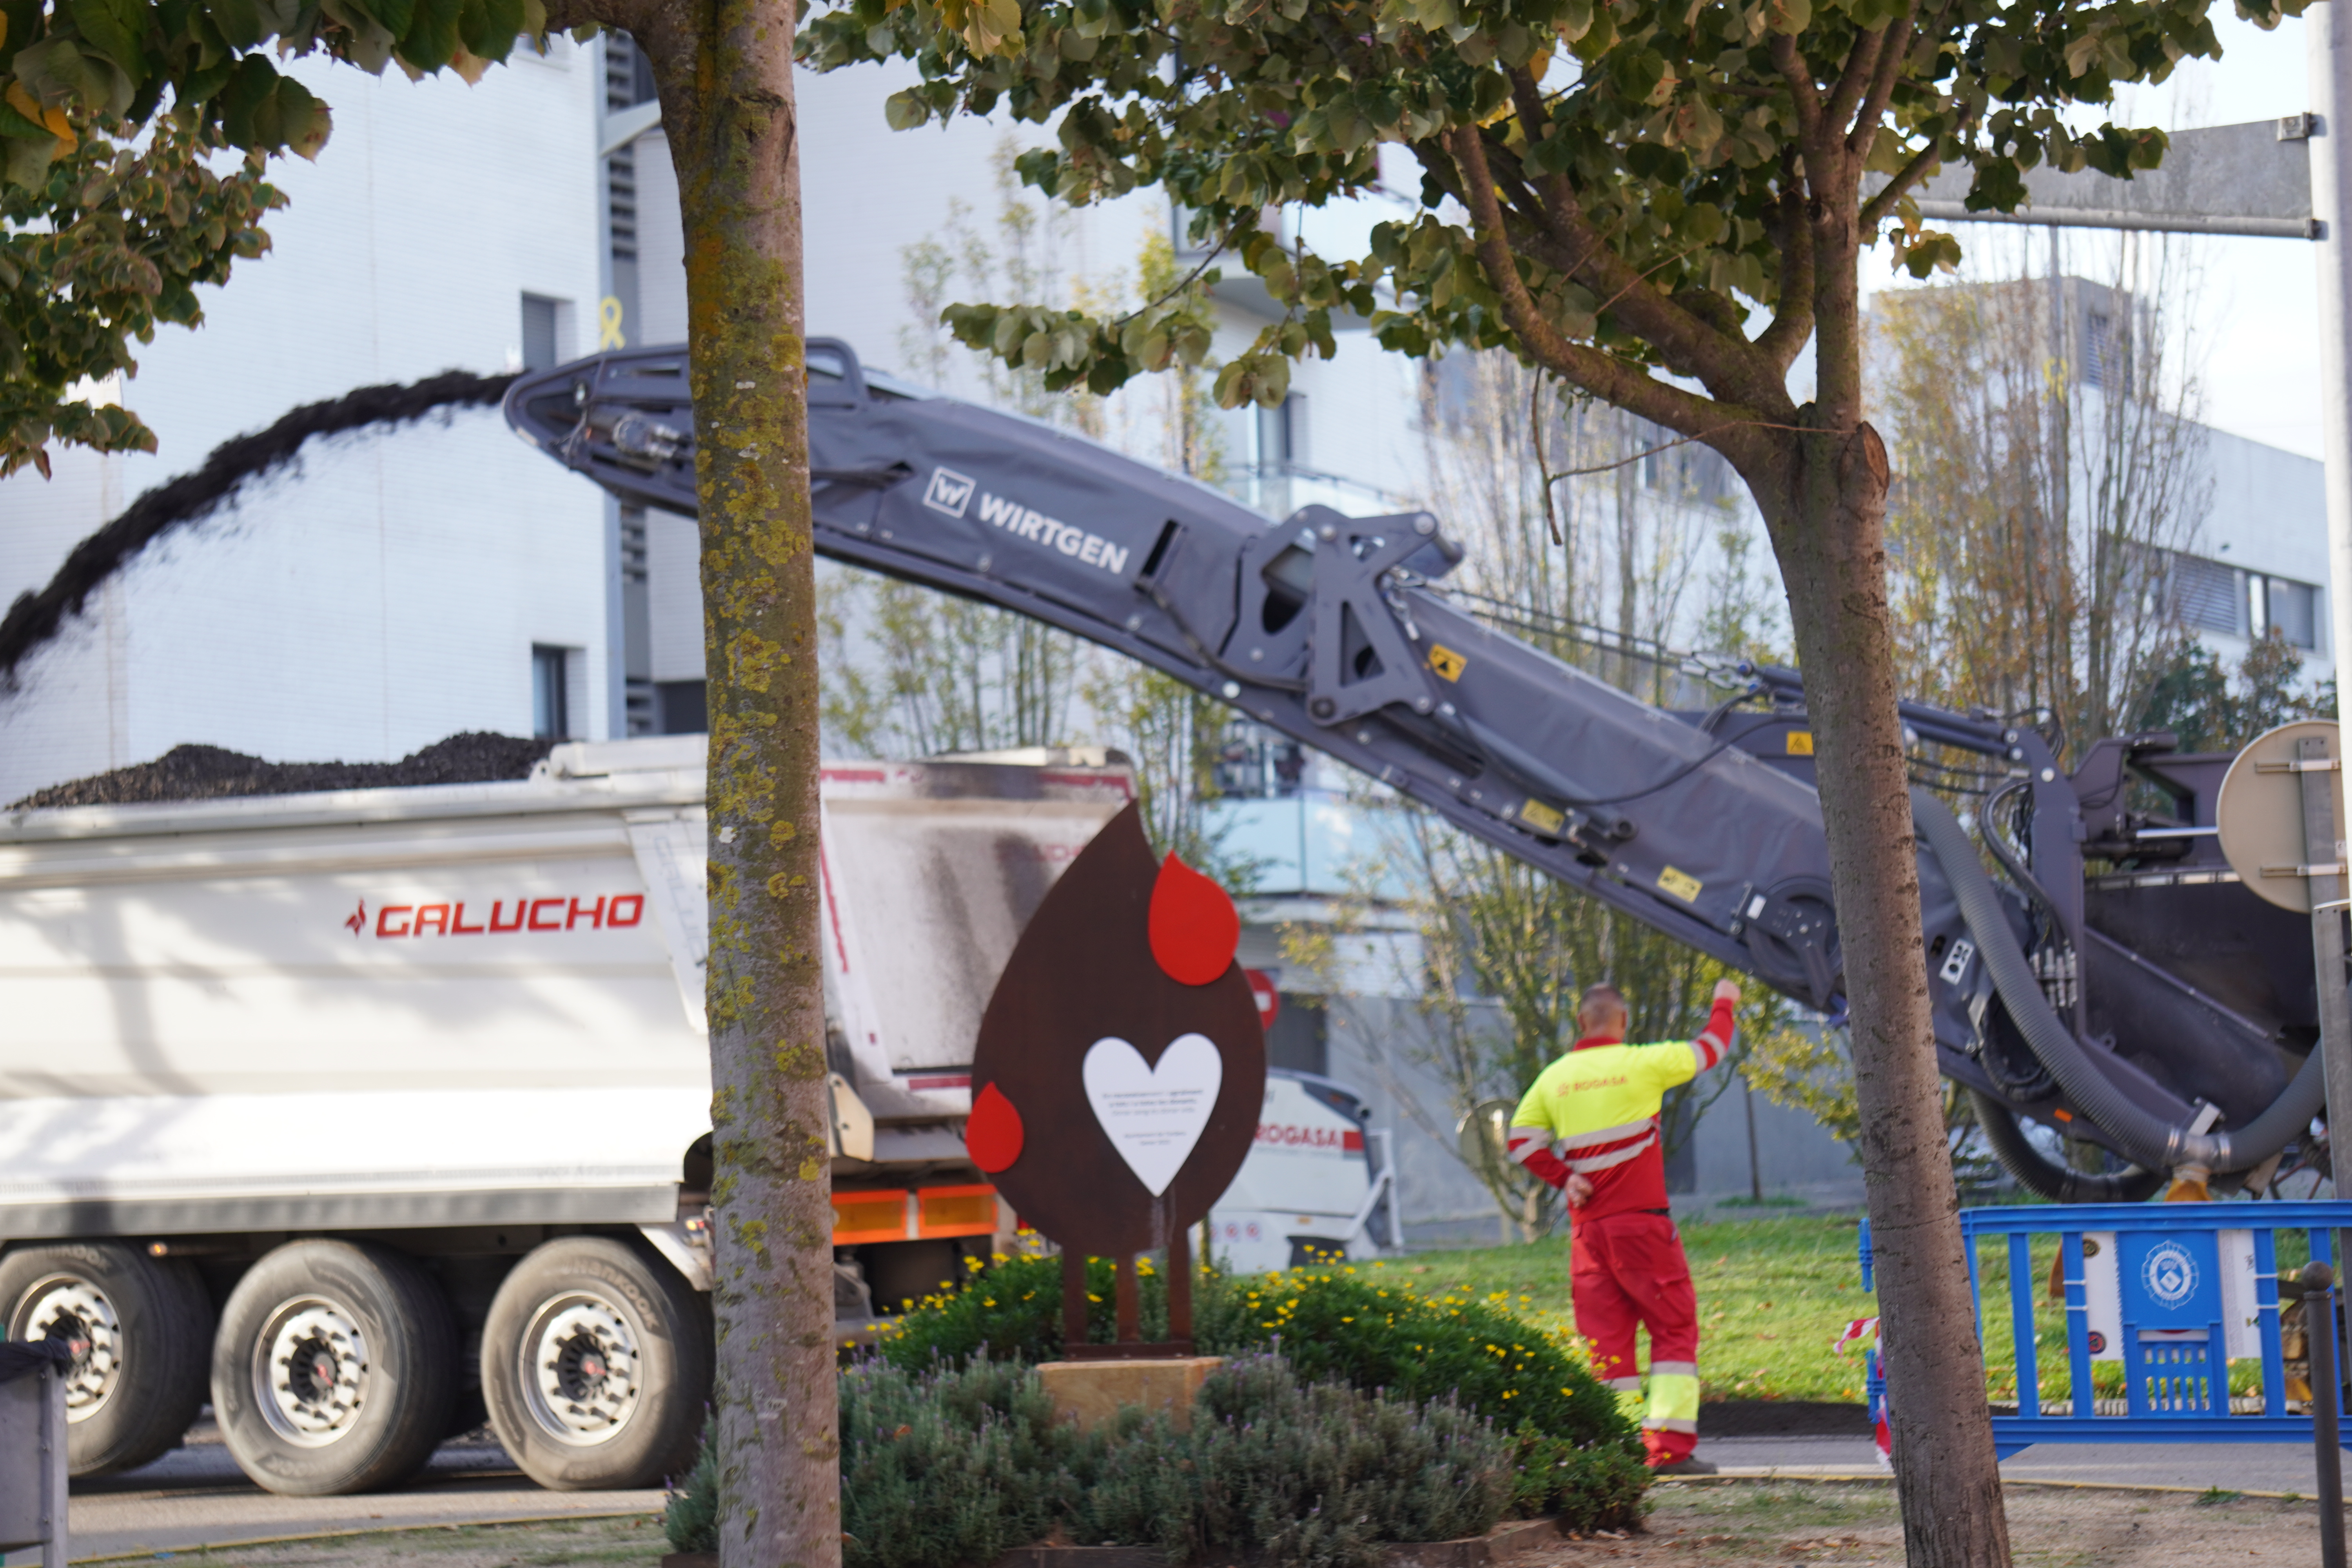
point(2330, 66)
point(54, 1466)
point(2321, 847)
point(2319, 1333)
point(1755, 1164)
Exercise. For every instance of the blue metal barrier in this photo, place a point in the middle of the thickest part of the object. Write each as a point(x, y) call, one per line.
point(2175, 1291)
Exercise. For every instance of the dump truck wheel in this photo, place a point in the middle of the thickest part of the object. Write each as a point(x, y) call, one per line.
point(146, 1325)
point(335, 1368)
point(596, 1364)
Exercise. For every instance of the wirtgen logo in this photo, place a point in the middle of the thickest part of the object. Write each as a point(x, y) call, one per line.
point(950, 491)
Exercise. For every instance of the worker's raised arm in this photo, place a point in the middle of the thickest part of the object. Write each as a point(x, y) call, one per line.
point(1529, 1142)
point(1715, 1039)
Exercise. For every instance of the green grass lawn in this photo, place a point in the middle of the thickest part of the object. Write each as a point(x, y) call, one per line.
point(1773, 1294)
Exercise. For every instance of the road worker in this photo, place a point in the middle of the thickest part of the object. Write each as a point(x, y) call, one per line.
point(1589, 1127)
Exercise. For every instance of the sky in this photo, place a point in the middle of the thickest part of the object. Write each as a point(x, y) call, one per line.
point(2252, 308)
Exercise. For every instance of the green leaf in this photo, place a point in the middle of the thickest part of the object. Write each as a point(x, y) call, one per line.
point(239, 22)
point(431, 37)
point(117, 29)
point(488, 27)
point(303, 123)
point(905, 110)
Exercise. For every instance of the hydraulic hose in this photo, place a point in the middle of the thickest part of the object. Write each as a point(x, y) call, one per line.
point(2020, 1159)
point(2145, 1140)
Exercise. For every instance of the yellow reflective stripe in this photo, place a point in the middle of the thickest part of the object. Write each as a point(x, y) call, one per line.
point(1674, 1401)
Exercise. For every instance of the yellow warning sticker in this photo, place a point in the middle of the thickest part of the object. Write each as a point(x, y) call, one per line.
point(1801, 743)
point(1681, 884)
point(1541, 818)
point(1448, 664)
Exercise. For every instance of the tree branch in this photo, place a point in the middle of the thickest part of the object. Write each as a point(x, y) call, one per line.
point(1597, 372)
point(1799, 78)
point(1861, 70)
point(1689, 344)
point(1881, 86)
point(1793, 318)
point(1875, 211)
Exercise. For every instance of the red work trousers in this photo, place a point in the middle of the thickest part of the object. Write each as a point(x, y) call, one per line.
point(1627, 1269)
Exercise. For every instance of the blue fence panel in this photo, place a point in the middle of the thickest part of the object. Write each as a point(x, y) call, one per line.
point(2176, 1304)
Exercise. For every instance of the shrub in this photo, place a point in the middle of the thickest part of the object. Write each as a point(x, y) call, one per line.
point(690, 1512)
point(956, 1465)
point(1287, 1474)
point(1369, 1330)
point(948, 1467)
point(1590, 1486)
point(1011, 1311)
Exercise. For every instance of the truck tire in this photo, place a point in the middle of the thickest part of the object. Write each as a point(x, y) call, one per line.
point(149, 1325)
point(596, 1364)
point(335, 1369)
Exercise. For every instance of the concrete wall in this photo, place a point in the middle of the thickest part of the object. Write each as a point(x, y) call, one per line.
point(388, 591)
point(1795, 1155)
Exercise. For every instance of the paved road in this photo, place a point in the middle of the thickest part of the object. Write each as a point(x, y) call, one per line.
point(2248, 1467)
point(195, 1496)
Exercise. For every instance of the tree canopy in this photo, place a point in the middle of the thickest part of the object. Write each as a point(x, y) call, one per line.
point(1648, 164)
point(115, 200)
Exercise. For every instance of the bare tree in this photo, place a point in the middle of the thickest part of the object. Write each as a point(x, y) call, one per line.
point(2050, 467)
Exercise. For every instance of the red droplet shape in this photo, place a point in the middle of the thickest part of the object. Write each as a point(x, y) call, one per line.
point(992, 1135)
point(1195, 926)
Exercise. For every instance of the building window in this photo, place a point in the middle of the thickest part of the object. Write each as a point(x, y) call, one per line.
point(684, 706)
point(2289, 608)
point(1282, 435)
point(551, 692)
point(545, 331)
point(1258, 763)
point(2207, 596)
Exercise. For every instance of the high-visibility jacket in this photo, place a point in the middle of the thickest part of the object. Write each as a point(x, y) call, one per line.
point(1594, 1112)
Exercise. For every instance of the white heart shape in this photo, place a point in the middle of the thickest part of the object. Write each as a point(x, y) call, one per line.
point(1154, 1114)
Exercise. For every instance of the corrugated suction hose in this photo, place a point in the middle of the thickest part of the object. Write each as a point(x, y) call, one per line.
point(2036, 1174)
point(2145, 1140)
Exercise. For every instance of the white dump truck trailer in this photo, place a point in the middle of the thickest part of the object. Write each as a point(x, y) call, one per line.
point(365, 1114)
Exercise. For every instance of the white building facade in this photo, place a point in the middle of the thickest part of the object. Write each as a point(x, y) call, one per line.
point(393, 587)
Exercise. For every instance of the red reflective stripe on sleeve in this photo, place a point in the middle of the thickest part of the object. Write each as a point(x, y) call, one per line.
point(1715, 1039)
point(1546, 1167)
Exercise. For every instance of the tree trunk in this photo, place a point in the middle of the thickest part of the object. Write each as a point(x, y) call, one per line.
point(1827, 517)
point(726, 74)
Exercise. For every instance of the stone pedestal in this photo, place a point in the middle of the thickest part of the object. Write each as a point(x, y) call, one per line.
point(1091, 1391)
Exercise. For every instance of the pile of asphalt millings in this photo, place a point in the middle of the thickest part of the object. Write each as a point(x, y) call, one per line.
point(36, 619)
point(209, 773)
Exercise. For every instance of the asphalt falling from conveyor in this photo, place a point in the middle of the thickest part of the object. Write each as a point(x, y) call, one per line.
point(36, 619)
